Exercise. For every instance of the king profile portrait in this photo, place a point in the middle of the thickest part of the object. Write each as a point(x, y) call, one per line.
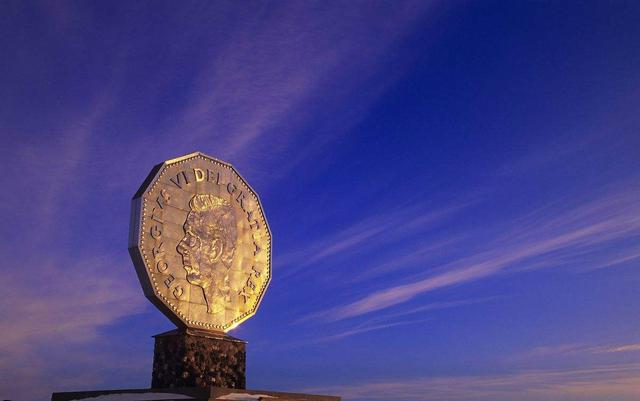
point(208, 248)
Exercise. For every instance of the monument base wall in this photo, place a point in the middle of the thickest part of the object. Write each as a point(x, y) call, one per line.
point(191, 394)
point(190, 358)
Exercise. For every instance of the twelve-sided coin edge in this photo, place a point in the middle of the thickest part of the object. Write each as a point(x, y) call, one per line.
point(149, 267)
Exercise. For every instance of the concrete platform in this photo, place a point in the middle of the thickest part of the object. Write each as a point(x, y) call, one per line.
point(195, 394)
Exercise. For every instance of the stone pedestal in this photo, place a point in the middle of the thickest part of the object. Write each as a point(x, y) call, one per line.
point(190, 358)
point(195, 366)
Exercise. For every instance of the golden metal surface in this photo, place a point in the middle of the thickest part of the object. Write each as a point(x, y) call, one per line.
point(200, 243)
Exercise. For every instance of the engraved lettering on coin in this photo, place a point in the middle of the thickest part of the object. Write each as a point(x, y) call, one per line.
point(208, 248)
point(200, 243)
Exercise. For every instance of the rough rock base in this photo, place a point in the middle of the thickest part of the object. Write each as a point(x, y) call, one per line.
point(189, 358)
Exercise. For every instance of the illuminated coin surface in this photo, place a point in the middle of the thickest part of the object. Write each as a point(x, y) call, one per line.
point(200, 243)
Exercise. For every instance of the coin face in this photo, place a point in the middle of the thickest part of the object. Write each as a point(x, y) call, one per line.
point(200, 243)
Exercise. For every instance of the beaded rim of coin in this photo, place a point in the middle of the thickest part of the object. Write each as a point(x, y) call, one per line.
point(145, 268)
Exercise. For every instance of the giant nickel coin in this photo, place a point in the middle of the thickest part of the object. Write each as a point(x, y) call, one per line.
point(200, 243)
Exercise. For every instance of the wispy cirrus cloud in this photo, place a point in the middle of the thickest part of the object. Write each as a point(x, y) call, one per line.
point(54, 315)
point(64, 288)
point(629, 255)
point(389, 319)
point(539, 239)
point(547, 352)
point(370, 232)
point(620, 382)
point(373, 325)
point(264, 87)
point(382, 321)
point(412, 256)
point(69, 301)
point(617, 348)
point(267, 79)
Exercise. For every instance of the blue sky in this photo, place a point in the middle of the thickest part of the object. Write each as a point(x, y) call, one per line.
point(453, 190)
